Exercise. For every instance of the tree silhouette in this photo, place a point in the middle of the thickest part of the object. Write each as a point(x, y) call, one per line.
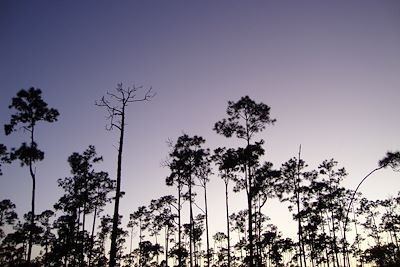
point(203, 173)
point(141, 219)
point(188, 160)
point(75, 233)
point(245, 119)
point(226, 159)
point(238, 223)
point(47, 237)
point(392, 160)
point(30, 109)
point(292, 187)
point(390, 220)
point(265, 178)
point(116, 105)
point(164, 217)
point(332, 196)
point(7, 215)
point(3, 156)
point(13, 246)
point(176, 179)
point(86, 192)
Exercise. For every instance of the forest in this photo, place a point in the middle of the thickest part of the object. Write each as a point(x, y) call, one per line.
point(335, 226)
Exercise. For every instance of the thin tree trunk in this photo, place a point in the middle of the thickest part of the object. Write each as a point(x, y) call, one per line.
point(227, 224)
point(179, 226)
point(191, 224)
point(140, 241)
point(330, 237)
point(75, 241)
point(157, 258)
point(250, 216)
point(334, 239)
point(353, 196)
point(207, 234)
point(166, 246)
point(32, 222)
point(358, 241)
point(376, 233)
point(249, 202)
point(324, 232)
point(113, 249)
point(92, 237)
point(83, 233)
point(33, 176)
point(241, 250)
point(300, 228)
point(259, 225)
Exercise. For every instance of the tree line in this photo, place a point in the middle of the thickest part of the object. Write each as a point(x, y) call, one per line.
point(335, 226)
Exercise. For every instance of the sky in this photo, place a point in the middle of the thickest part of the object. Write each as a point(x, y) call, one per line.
point(330, 71)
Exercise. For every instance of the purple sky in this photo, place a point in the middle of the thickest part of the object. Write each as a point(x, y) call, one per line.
point(329, 70)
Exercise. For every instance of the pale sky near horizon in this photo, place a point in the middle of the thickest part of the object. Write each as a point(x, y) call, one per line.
point(330, 71)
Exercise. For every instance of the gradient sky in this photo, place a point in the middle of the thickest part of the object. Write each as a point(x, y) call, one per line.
point(330, 71)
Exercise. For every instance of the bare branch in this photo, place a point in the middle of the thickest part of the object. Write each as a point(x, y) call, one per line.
point(199, 207)
point(116, 126)
point(147, 97)
point(116, 103)
point(119, 99)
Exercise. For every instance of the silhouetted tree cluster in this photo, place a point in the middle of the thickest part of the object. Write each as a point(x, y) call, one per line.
point(335, 226)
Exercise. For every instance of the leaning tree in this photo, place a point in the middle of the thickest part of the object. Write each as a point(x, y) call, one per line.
point(30, 109)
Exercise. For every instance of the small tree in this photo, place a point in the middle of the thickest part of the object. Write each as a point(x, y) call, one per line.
point(140, 218)
point(164, 217)
point(116, 105)
point(30, 109)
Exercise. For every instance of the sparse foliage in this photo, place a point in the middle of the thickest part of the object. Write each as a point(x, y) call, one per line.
point(30, 109)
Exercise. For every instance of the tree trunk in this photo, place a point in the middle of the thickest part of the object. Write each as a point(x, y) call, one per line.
point(249, 201)
point(92, 237)
point(166, 246)
point(227, 224)
point(300, 228)
point(32, 222)
point(250, 216)
point(191, 239)
point(33, 176)
point(179, 227)
point(83, 233)
point(207, 235)
point(113, 248)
